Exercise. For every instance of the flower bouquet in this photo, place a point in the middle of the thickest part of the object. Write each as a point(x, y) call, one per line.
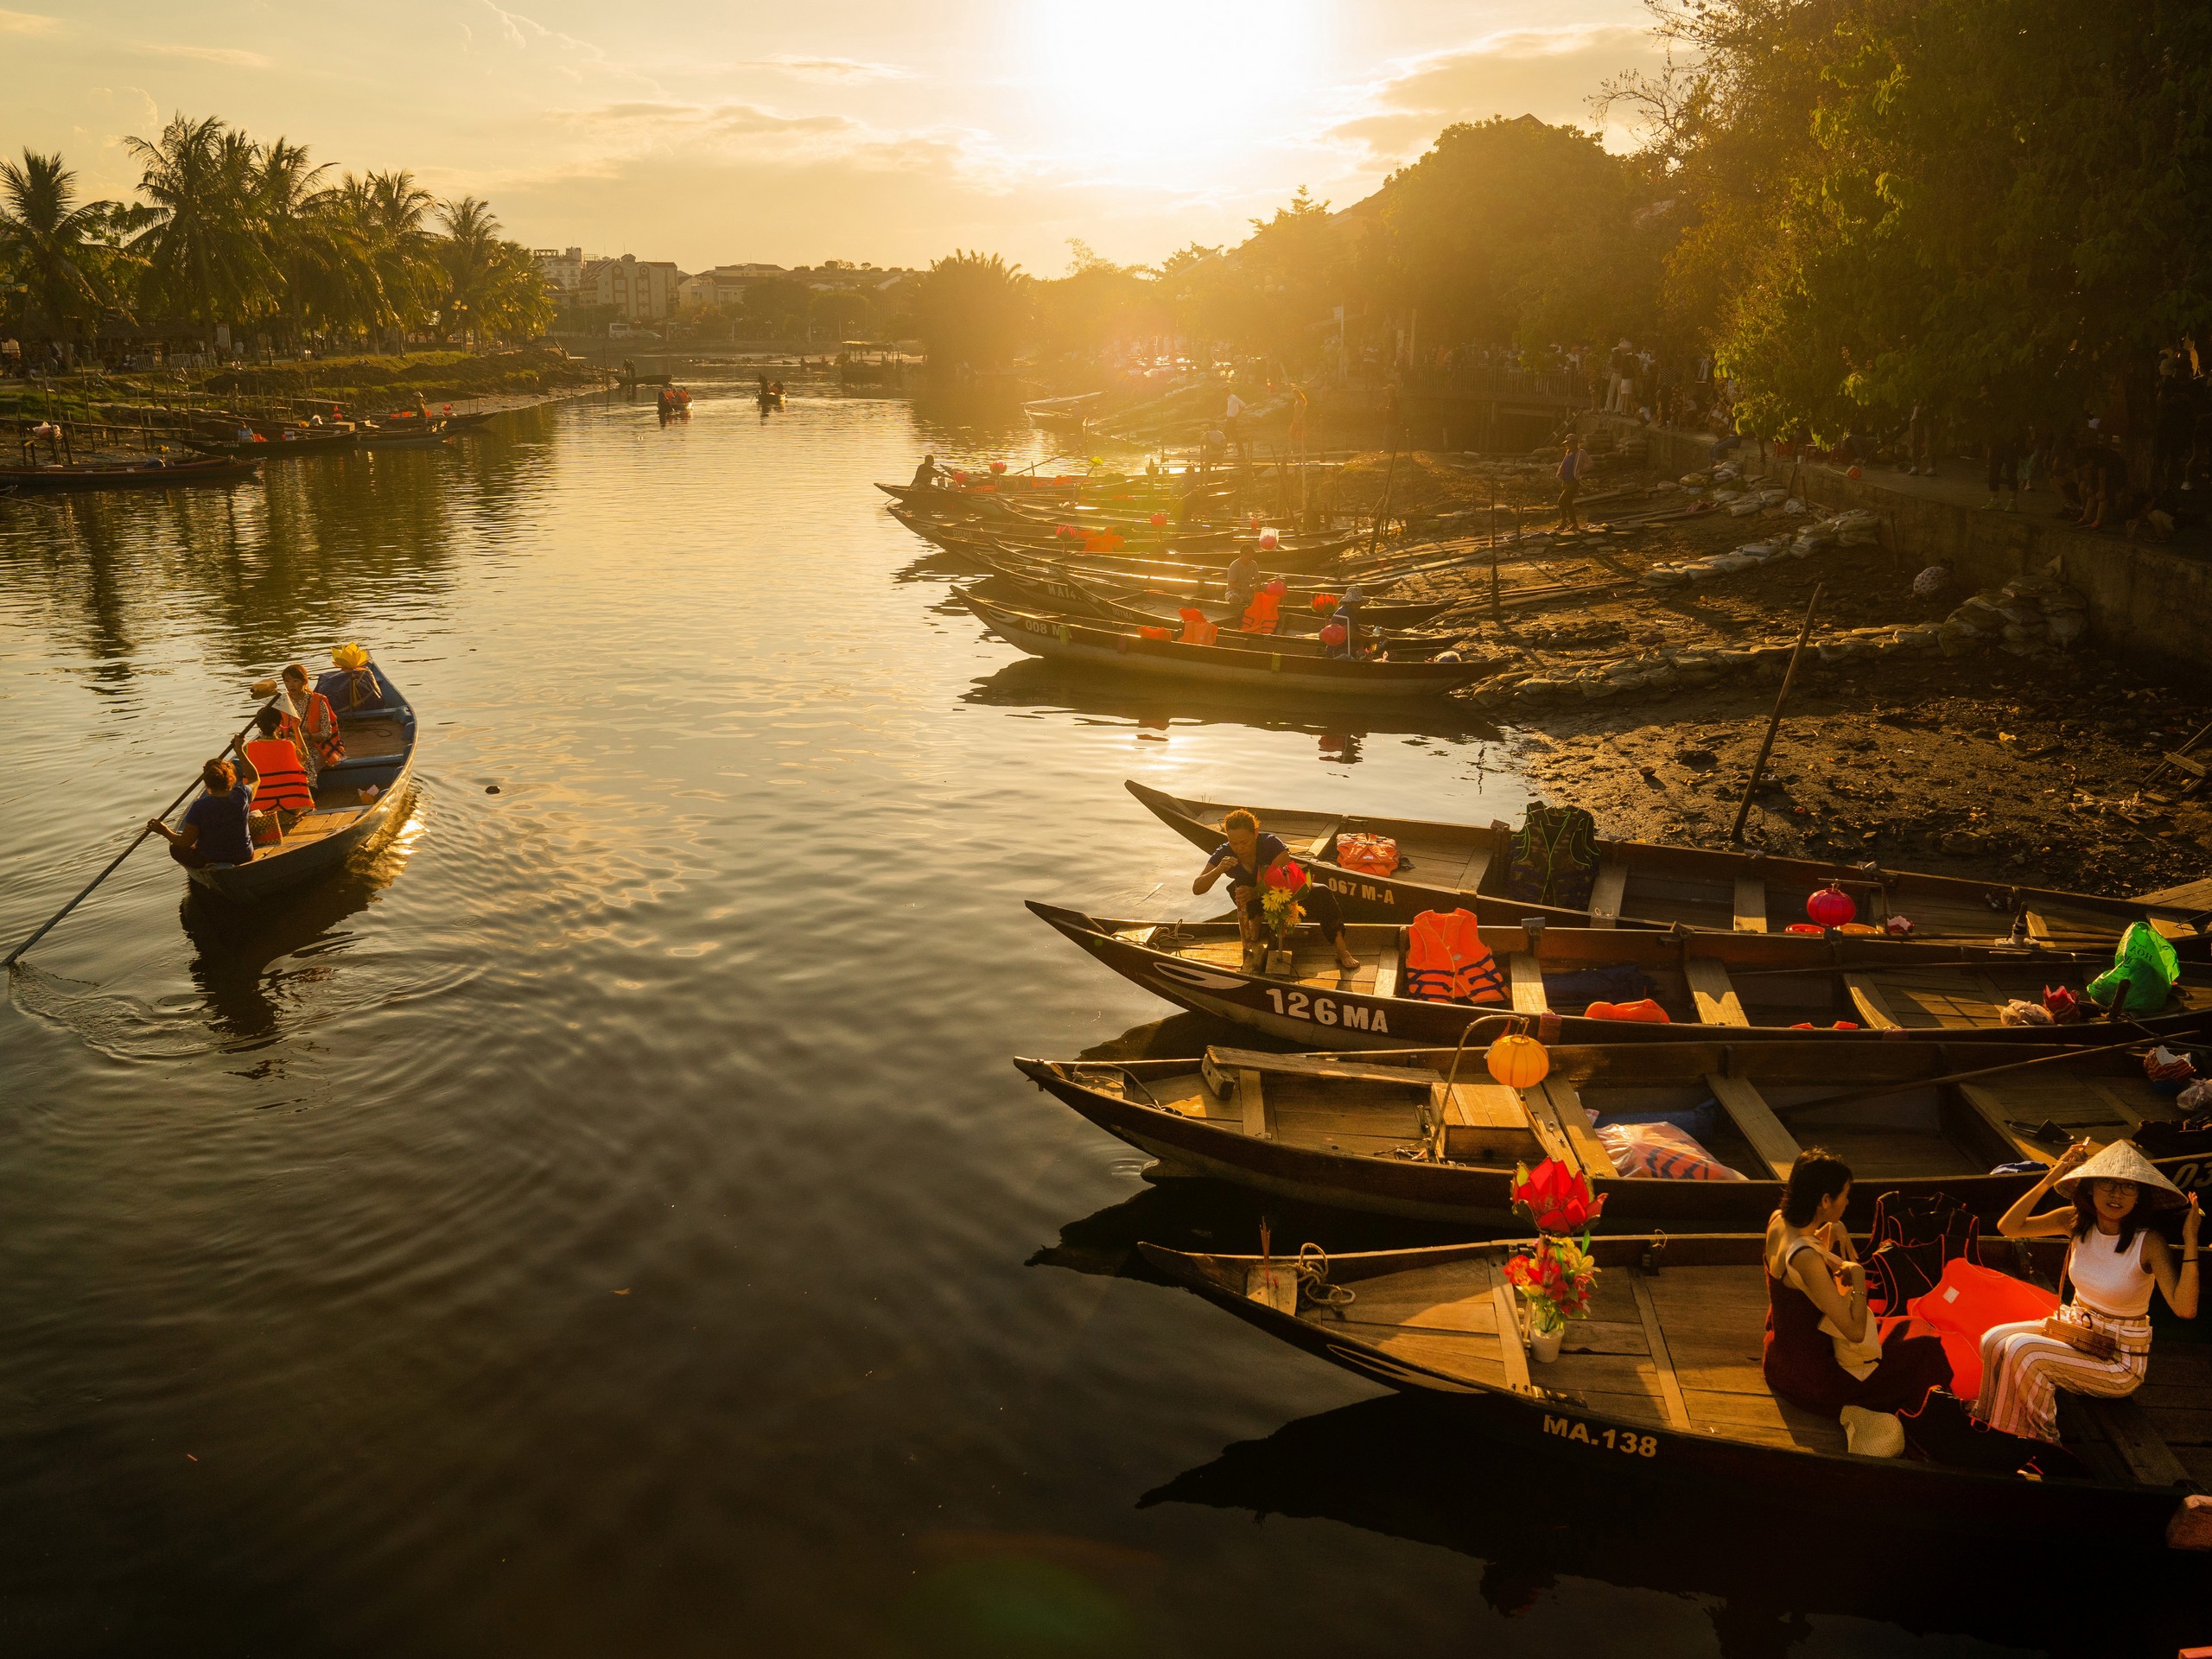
point(1279, 911)
point(1555, 1275)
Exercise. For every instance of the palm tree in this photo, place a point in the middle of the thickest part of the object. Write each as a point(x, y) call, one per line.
point(470, 256)
point(974, 310)
point(53, 247)
point(295, 238)
point(203, 256)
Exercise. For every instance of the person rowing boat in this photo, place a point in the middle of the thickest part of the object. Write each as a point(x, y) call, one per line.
point(215, 828)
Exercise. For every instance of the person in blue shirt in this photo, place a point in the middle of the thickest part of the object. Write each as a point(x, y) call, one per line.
point(213, 829)
point(1243, 857)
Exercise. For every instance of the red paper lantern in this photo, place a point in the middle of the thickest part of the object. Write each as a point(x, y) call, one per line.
point(1159, 519)
point(998, 466)
point(960, 477)
point(1832, 906)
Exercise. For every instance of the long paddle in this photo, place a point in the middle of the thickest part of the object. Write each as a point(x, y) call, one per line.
point(1774, 724)
point(116, 862)
point(1855, 1097)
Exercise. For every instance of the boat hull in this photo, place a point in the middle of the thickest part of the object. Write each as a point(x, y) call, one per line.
point(184, 474)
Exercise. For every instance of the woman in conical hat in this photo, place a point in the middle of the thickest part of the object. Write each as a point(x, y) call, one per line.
point(2113, 1261)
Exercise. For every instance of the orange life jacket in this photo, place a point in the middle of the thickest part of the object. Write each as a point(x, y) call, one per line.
point(281, 781)
point(1197, 630)
point(1264, 612)
point(1148, 631)
point(320, 730)
point(1447, 962)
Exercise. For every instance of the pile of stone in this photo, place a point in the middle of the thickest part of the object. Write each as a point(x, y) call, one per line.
point(1655, 673)
point(2033, 614)
point(1852, 529)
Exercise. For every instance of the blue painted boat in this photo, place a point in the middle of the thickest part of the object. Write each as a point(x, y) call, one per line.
point(379, 755)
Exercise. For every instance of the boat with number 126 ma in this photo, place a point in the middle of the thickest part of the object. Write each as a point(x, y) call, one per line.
point(1661, 1384)
point(356, 802)
point(1740, 987)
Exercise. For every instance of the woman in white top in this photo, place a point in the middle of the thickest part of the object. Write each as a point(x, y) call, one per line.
point(2113, 1262)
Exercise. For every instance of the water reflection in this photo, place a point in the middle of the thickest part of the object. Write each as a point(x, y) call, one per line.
point(1403, 1467)
point(238, 947)
point(1052, 687)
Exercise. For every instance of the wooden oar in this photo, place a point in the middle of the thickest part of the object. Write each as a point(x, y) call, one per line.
point(116, 862)
point(1766, 744)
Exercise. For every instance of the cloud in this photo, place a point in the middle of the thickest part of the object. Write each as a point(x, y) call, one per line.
point(1548, 72)
point(836, 69)
point(28, 23)
point(233, 55)
point(675, 119)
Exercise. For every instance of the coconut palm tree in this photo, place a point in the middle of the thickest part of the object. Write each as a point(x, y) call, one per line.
point(203, 256)
point(295, 238)
point(55, 247)
point(469, 257)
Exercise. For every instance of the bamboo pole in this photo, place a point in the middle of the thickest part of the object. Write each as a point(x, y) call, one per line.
point(1774, 720)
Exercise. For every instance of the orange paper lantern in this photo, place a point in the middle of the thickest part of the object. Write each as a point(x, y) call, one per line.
point(1518, 1062)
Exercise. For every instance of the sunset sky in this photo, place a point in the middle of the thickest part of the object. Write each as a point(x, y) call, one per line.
point(861, 130)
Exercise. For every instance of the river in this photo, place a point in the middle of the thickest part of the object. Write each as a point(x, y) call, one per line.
point(607, 1223)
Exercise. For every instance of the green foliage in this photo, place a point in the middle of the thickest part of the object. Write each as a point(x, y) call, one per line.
point(974, 309)
point(61, 255)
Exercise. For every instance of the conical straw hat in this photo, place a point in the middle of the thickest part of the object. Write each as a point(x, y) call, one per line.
point(2120, 1162)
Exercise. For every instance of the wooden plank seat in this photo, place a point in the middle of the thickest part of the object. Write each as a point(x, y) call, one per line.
point(1739, 1097)
point(1714, 992)
point(1606, 895)
point(1750, 904)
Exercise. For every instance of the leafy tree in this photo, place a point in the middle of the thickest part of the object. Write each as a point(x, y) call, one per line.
point(60, 250)
point(974, 310)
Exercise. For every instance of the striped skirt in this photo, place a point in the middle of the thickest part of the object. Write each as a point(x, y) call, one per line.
point(2022, 1371)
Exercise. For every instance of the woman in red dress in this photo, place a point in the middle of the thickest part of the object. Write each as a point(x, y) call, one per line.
point(1813, 1275)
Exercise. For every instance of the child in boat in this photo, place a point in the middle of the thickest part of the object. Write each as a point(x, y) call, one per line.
point(314, 727)
point(2112, 1260)
point(1244, 856)
point(1816, 1292)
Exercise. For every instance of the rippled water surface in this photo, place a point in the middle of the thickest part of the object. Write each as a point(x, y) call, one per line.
point(606, 1222)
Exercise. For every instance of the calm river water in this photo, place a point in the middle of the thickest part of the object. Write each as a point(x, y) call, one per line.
point(608, 1223)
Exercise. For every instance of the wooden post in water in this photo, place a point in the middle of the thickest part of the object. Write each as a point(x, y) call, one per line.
point(1774, 720)
point(1496, 611)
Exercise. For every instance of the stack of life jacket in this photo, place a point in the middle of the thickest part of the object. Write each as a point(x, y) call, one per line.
point(1197, 630)
point(1369, 854)
point(281, 782)
point(1265, 611)
point(1446, 961)
point(1552, 859)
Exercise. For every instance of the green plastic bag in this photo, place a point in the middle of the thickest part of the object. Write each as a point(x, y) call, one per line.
point(2149, 965)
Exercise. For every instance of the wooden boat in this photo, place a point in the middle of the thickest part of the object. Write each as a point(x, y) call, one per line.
point(1662, 1382)
point(1282, 669)
point(379, 754)
point(1138, 605)
point(1378, 1131)
point(1164, 576)
point(1750, 986)
point(1203, 552)
point(96, 475)
point(1642, 884)
point(295, 444)
point(415, 436)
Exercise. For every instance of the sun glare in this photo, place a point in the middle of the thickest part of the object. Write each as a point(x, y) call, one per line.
point(1157, 86)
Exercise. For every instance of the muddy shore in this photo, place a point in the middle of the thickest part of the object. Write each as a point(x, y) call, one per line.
point(2021, 762)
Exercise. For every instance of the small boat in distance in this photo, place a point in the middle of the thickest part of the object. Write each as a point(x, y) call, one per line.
point(379, 757)
point(156, 473)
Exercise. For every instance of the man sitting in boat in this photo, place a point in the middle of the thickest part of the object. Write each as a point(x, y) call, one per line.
point(352, 685)
point(281, 782)
point(1346, 618)
point(1820, 1349)
point(215, 830)
point(2113, 1260)
point(313, 727)
point(1241, 581)
point(1245, 856)
point(925, 475)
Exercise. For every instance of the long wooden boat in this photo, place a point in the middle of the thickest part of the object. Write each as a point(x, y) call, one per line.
point(379, 754)
point(1300, 632)
point(400, 437)
point(1744, 987)
point(1290, 670)
point(279, 448)
point(1644, 884)
point(1295, 554)
point(1173, 577)
point(1661, 1383)
point(94, 476)
point(1379, 1131)
point(1116, 600)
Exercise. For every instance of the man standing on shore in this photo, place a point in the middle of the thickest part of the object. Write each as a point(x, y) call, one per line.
point(1573, 461)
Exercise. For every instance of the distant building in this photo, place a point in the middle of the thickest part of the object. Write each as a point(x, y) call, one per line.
point(643, 290)
point(723, 285)
point(561, 268)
